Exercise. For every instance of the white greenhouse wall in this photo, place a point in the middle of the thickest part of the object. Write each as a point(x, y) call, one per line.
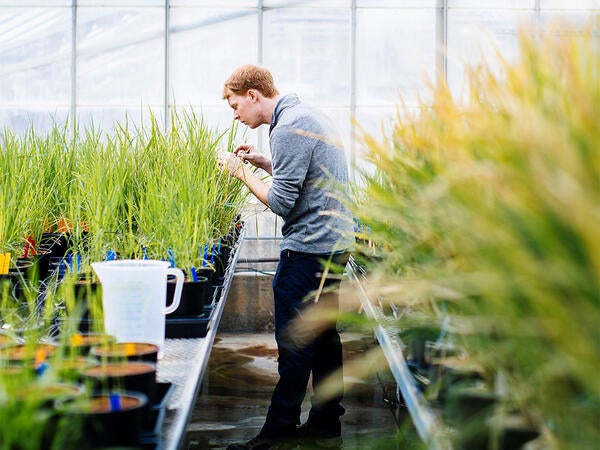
point(100, 61)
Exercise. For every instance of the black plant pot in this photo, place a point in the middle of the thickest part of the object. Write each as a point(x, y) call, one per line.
point(55, 244)
point(26, 354)
point(222, 260)
point(511, 432)
point(450, 373)
point(416, 337)
point(515, 432)
point(123, 376)
point(102, 426)
point(80, 344)
point(194, 296)
point(126, 351)
point(85, 292)
point(212, 280)
point(21, 283)
point(469, 404)
point(209, 273)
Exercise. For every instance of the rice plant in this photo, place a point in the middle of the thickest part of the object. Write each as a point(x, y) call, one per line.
point(487, 212)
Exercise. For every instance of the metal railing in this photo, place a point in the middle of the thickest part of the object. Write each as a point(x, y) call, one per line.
point(185, 361)
point(430, 429)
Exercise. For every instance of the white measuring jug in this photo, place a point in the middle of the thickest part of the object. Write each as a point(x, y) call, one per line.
point(133, 299)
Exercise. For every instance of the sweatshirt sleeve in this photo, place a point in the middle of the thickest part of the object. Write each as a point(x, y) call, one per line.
point(291, 153)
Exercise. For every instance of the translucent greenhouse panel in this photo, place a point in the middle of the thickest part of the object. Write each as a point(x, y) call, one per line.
point(571, 4)
point(308, 52)
point(120, 55)
point(219, 3)
point(569, 20)
point(474, 36)
point(35, 55)
point(42, 120)
point(120, 2)
point(206, 45)
point(397, 3)
point(34, 3)
point(378, 123)
point(492, 5)
point(106, 117)
point(306, 3)
point(217, 118)
point(395, 55)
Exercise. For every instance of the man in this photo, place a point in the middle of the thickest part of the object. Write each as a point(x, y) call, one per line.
point(307, 160)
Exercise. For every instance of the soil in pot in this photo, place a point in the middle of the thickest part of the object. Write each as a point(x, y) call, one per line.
point(6, 340)
point(46, 394)
point(106, 419)
point(26, 354)
point(129, 376)
point(125, 351)
point(81, 344)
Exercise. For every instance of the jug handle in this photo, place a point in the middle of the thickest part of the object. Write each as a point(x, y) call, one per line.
point(178, 274)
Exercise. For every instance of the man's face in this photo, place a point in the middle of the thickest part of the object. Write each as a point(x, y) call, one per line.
point(245, 108)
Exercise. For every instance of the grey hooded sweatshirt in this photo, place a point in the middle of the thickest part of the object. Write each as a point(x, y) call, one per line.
point(308, 165)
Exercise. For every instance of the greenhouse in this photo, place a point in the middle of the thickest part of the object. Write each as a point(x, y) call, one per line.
point(299, 224)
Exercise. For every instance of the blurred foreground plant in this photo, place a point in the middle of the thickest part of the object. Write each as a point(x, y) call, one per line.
point(488, 212)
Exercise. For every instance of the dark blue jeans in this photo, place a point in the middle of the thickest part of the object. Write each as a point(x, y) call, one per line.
point(305, 346)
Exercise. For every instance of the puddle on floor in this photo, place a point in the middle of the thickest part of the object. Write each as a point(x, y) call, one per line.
point(240, 377)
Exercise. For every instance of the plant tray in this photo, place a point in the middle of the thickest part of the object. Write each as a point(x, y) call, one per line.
point(189, 327)
point(151, 436)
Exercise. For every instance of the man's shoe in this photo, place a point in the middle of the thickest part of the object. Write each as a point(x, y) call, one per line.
point(308, 435)
point(264, 443)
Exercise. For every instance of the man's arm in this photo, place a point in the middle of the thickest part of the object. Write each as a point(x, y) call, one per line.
point(235, 167)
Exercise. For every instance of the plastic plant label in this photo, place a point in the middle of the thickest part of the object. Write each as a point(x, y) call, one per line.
point(4, 263)
point(77, 339)
point(129, 349)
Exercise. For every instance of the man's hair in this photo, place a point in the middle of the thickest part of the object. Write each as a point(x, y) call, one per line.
point(250, 77)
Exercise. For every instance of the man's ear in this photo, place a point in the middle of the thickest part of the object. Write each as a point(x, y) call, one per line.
point(253, 94)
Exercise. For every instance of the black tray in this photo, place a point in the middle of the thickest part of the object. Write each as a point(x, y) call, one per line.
point(189, 327)
point(151, 436)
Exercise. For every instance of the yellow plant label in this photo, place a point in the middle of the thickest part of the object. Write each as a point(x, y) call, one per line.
point(40, 356)
point(4, 263)
point(77, 339)
point(129, 349)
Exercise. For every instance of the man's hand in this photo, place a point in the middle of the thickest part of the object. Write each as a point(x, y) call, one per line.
point(235, 167)
point(249, 154)
point(230, 162)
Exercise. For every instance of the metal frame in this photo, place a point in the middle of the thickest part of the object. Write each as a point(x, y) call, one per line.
point(184, 364)
point(426, 422)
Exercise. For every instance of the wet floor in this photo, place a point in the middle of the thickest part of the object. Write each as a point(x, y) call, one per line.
point(239, 380)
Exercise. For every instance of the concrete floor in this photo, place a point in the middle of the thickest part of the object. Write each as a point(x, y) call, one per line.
point(240, 378)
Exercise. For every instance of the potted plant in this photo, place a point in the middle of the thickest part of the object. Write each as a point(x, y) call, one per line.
point(187, 206)
point(129, 351)
point(125, 375)
point(104, 419)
